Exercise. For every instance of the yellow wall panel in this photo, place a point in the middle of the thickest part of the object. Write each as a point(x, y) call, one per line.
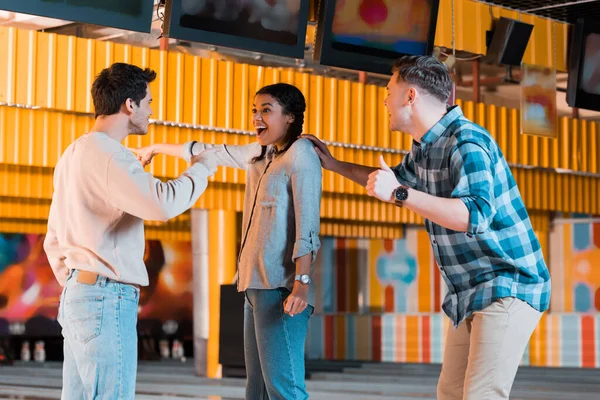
point(26, 191)
point(56, 72)
point(36, 138)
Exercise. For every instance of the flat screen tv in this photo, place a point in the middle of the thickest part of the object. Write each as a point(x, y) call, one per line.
point(132, 15)
point(583, 88)
point(369, 35)
point(275, 27)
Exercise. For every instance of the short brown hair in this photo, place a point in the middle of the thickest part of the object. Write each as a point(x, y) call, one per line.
point(117, 83)
point(426, 72)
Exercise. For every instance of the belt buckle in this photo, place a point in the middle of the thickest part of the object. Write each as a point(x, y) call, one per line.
point(87, 277)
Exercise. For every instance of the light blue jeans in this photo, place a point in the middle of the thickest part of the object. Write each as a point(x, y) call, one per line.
point(100, 339)
point(274, 347)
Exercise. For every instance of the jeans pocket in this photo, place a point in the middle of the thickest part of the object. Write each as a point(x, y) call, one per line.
point(61, 305)
point(310, 309)
point(85, 317)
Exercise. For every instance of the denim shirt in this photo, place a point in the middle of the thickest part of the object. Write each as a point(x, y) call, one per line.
point(281, 217)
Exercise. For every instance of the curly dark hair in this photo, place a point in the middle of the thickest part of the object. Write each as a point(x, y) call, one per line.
point(426, 72)
point(117, 83)
point(293, 103)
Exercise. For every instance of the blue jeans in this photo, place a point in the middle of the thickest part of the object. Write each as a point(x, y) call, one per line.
point(100, 339)
point(274, 347)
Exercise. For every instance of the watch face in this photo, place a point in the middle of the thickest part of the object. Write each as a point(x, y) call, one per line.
point(305, 279)
point(401, 194)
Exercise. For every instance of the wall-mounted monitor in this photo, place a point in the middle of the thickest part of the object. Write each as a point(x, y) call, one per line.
point(275, 27)
point(583, 88)
point(369, 35)
point(508, 42)
point(132, 15)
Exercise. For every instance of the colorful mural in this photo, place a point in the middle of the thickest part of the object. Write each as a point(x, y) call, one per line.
point(377, 300)
point(575, 265)
point(378, 276)
point(28, 287)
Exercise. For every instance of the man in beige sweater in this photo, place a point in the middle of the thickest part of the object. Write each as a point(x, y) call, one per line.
point(95, 239)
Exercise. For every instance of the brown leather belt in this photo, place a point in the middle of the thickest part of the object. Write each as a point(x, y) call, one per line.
point(90, 278)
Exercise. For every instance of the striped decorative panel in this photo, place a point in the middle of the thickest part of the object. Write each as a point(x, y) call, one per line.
point(560, 340)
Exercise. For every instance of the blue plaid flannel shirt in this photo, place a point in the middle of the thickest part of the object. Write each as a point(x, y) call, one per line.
point(500, 255)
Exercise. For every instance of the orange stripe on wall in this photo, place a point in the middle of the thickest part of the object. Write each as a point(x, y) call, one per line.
point(426, 339)
point(588, 342)
point(375, 288)
point(538, 354)
point(424, 271)
point(412, 338)
point(568, 266)
point(555, 334)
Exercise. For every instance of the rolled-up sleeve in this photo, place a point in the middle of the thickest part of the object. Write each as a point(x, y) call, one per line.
point(306, 179)
point(405, 172)
point(473, 175)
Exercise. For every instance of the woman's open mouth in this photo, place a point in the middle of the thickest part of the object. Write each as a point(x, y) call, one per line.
point(260, 130)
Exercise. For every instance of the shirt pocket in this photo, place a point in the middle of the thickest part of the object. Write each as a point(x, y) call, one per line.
point(438, 182)
point(273, 187)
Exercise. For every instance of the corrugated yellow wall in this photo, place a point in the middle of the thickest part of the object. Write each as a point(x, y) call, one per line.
point(54, 73)
point(32, 140)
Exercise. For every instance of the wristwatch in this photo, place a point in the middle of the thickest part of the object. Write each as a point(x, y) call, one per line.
point(303, 279)
point(400, 195)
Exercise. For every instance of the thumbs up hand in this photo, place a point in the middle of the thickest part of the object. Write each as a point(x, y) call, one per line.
point(382, 182)
point(383, 165)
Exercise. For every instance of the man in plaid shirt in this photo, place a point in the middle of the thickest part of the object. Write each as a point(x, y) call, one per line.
point(456, 177)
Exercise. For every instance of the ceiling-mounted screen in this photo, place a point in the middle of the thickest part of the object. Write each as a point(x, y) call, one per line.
point(275, 27)
point(583, 88)
point(369, 35)
point(132, 15)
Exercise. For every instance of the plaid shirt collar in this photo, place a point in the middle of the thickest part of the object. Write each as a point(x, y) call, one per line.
point(453, 113)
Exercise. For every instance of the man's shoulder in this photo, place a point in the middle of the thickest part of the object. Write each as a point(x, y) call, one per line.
point(92, 152)
point(466, 131)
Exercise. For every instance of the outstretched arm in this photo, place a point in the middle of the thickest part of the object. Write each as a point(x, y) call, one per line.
point(139, 193)
point(229, 156)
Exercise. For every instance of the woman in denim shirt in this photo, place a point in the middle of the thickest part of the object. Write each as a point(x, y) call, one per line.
point(280, 238)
